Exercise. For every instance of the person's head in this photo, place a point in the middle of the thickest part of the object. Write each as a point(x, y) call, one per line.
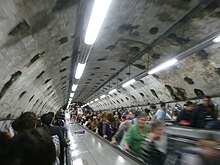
point(142, 119)
point(189, 106)
point(162, 105)
point(51, 114)
point(46, 119)
point(206, 100)
point(33, 147)
point(156, 130)
point(110, 117)
point(27, 120)
point(104, 116)
point(153, 109)
point(147, 111)
point(137, 113)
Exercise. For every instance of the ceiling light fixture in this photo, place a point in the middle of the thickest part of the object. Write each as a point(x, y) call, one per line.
point(99, 11)
point(129, 83)
point(96, 99)
point(74, 86)
point(163, 66)
point(71, 95)
point(103, 96)
point(217, 39)
point(91, 102)
point(79, 70)
point(112, 91)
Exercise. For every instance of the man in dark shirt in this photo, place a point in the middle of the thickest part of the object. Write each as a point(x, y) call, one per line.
point(55, 130)
point(185, 115)
point(203, 114)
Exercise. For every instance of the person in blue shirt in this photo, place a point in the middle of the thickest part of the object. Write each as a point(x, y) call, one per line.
point(161, 113)
point(184, 116)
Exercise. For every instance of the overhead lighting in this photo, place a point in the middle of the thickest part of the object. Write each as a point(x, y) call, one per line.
point(70, 99)
point(91, 102)
point(71, 95)
point(128, 83)
point(217, 39)
point(74, 86)
point(96, 99)
point(79, 70)
point(112, 91)
point(103, 96)
point(163, 66)
point(97, 17)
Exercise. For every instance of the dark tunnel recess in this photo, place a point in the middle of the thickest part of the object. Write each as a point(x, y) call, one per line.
point(22, 94)
point(9, 83)
point(41, 73)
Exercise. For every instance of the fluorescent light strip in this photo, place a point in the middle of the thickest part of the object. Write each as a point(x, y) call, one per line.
point(128, 83)
point(103, 96)
point(217, 39)
point(74, 86)
point(163, 66)
point(91, 102)
point(112, 91)
point(79, 70)
point(99, 11)
point(71, 95)
point(96, 99)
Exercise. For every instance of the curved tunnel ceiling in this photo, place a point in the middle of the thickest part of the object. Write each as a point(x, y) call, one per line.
point(40, 42)
point(144, 35)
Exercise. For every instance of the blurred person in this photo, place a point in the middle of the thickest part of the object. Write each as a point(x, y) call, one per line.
point(153, 149)
point(184, 116)
point(136, 114)
point(5, 142)
point(136, 134)
point(203, 114)
point(153, 109)
point(120, 135)
point(107, 130)
point(27, 120)
point(55, 130)
point(115, 125)
point(147, 112)
point(206, 153)
point(161, 113)
point(102, 119)
point(88, 123)
point(33, 147)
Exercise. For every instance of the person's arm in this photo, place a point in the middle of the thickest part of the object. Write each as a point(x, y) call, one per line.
point(194, 117)
point(117, 136)
point(128, 139)
point(179, 117)
point(104, 129)
point(155, 116)
point(61, 138)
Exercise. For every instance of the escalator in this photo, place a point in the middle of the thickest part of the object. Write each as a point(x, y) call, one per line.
point(87, 148)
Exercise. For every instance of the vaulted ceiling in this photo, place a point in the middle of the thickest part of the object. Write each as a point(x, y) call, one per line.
point(41, 42)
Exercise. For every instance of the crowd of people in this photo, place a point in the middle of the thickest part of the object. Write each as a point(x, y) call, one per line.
point(143, 131)
point(34, 141)
point(41, 141)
